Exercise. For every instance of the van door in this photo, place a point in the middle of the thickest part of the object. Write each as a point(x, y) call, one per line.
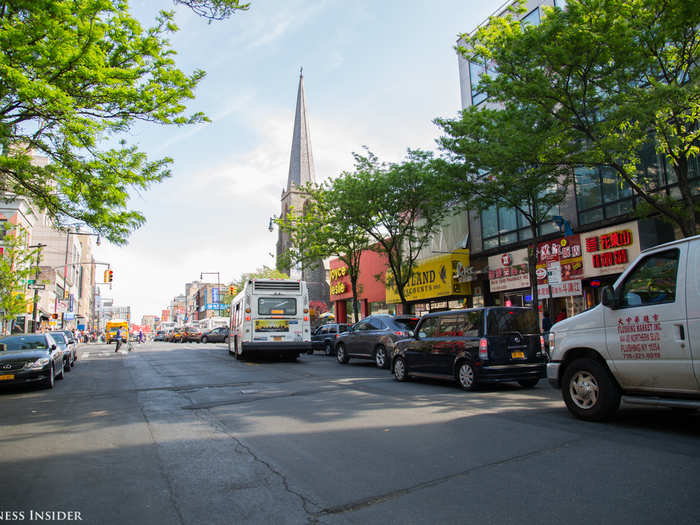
point(646, 334)
point(692, 294)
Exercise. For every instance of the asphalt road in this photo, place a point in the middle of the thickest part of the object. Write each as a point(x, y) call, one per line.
point(184, 434)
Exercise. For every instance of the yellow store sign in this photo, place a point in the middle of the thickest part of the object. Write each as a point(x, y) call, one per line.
point(442, 276)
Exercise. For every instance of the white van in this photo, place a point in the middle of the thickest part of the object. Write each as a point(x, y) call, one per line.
point(641, 344)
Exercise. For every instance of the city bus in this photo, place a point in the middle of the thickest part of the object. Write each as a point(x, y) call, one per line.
point(111, 330)
point(270, 317)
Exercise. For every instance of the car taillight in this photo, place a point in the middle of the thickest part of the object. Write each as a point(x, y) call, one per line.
point(337, 336)
point(483, 349)
point(400, 333)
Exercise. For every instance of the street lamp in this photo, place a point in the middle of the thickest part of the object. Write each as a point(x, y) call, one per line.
point(218, 288)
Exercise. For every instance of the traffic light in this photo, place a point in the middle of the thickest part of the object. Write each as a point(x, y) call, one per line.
point(109, 276)
point(54, 316)
point(232, 290)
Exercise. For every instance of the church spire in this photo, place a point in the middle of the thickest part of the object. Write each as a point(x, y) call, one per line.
point(301, 161)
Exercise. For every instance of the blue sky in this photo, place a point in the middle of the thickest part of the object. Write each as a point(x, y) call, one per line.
point(376, 73)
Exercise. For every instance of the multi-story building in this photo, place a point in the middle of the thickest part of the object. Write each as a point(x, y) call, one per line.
point(606, 234)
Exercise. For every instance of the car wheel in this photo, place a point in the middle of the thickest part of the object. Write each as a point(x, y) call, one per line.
point(340, 354)
point(50, 381)
point(400, 372)
point(67, 365)
point(380, 357)
point(62, 373)
point(589, 391)
point(204, 340)
point(328, 349)
point(226, 340)
point(466, 376)
point(528, 383)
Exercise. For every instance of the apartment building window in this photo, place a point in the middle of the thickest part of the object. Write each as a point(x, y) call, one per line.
point(532, 18)
point(476, 70)
point(504, 226)
point(601, 194)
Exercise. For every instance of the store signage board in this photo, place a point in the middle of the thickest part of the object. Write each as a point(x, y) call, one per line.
point(510, 276)
point(441, 276)
point(565, 289)
point(610, 250)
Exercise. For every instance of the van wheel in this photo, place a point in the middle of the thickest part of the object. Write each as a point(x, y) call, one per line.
point(67, 365)
point(466, 376)
point(400, 372)
point(340, 354)
point(528, 383)
point(380, 357)
point(589, 391)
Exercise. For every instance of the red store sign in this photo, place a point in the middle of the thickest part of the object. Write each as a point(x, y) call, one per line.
point(609, 250)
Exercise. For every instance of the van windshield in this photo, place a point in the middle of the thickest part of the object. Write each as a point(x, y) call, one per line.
point(507, 321)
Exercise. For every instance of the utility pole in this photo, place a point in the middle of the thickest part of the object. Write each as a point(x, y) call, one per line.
point(36, 282)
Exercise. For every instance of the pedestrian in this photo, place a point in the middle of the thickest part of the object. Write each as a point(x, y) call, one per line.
point(546, 323)
point(118, 338)
point(561, 316)
point(140, 336)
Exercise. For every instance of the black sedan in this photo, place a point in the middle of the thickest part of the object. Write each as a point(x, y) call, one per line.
point(30, 359)
point(374, 338)
point(70, 354)
point(216, 335)
point(323, 338)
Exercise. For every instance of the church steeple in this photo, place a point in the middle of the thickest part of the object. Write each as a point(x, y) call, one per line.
point(301, 161)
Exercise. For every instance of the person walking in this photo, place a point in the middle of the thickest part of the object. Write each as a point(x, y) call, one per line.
point(546, 323)
point(118, 338)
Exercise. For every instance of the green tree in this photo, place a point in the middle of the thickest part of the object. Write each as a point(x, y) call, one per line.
point(508, 158)
point(263, 272)
point(328, 226)
point(399, 205)
point(617, 74)
point(214, 9)
point(15, 269)
point(76, 75)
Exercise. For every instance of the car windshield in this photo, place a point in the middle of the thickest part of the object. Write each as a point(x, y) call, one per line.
point(69, 336)
point(511, 320)
point(277, 306)
point(13, 344)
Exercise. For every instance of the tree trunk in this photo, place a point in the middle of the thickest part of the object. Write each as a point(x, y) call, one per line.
point(689, 226)
point(532, 272)
point(353, 285)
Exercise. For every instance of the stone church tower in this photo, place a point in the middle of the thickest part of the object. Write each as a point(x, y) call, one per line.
point(301, 172)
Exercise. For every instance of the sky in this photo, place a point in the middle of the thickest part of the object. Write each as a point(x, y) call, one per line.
point(376, 74)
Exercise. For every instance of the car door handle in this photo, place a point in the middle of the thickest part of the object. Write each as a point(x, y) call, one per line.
point(681, 332)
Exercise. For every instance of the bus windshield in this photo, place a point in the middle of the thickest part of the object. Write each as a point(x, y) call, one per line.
point(277, 306)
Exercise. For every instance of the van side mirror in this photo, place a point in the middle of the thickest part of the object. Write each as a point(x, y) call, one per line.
point(609, 298)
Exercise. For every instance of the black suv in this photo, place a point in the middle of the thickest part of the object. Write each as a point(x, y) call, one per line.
point(373, 338)
point(323, 338)
point(479, 345)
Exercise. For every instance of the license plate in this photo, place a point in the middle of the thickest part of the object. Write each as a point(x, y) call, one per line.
point(277, 338)
point(517, 355)
point(7, 377)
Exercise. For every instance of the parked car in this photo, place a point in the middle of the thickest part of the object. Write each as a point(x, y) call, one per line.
point(373, 338)
point(191, 334)
point(323, 338)
point(216, 335)
point(160, 335)
point(68, 349)
point(30, 359)
point(641, 345)
point(72, 341)
point(177, 335)
point(475, 346)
